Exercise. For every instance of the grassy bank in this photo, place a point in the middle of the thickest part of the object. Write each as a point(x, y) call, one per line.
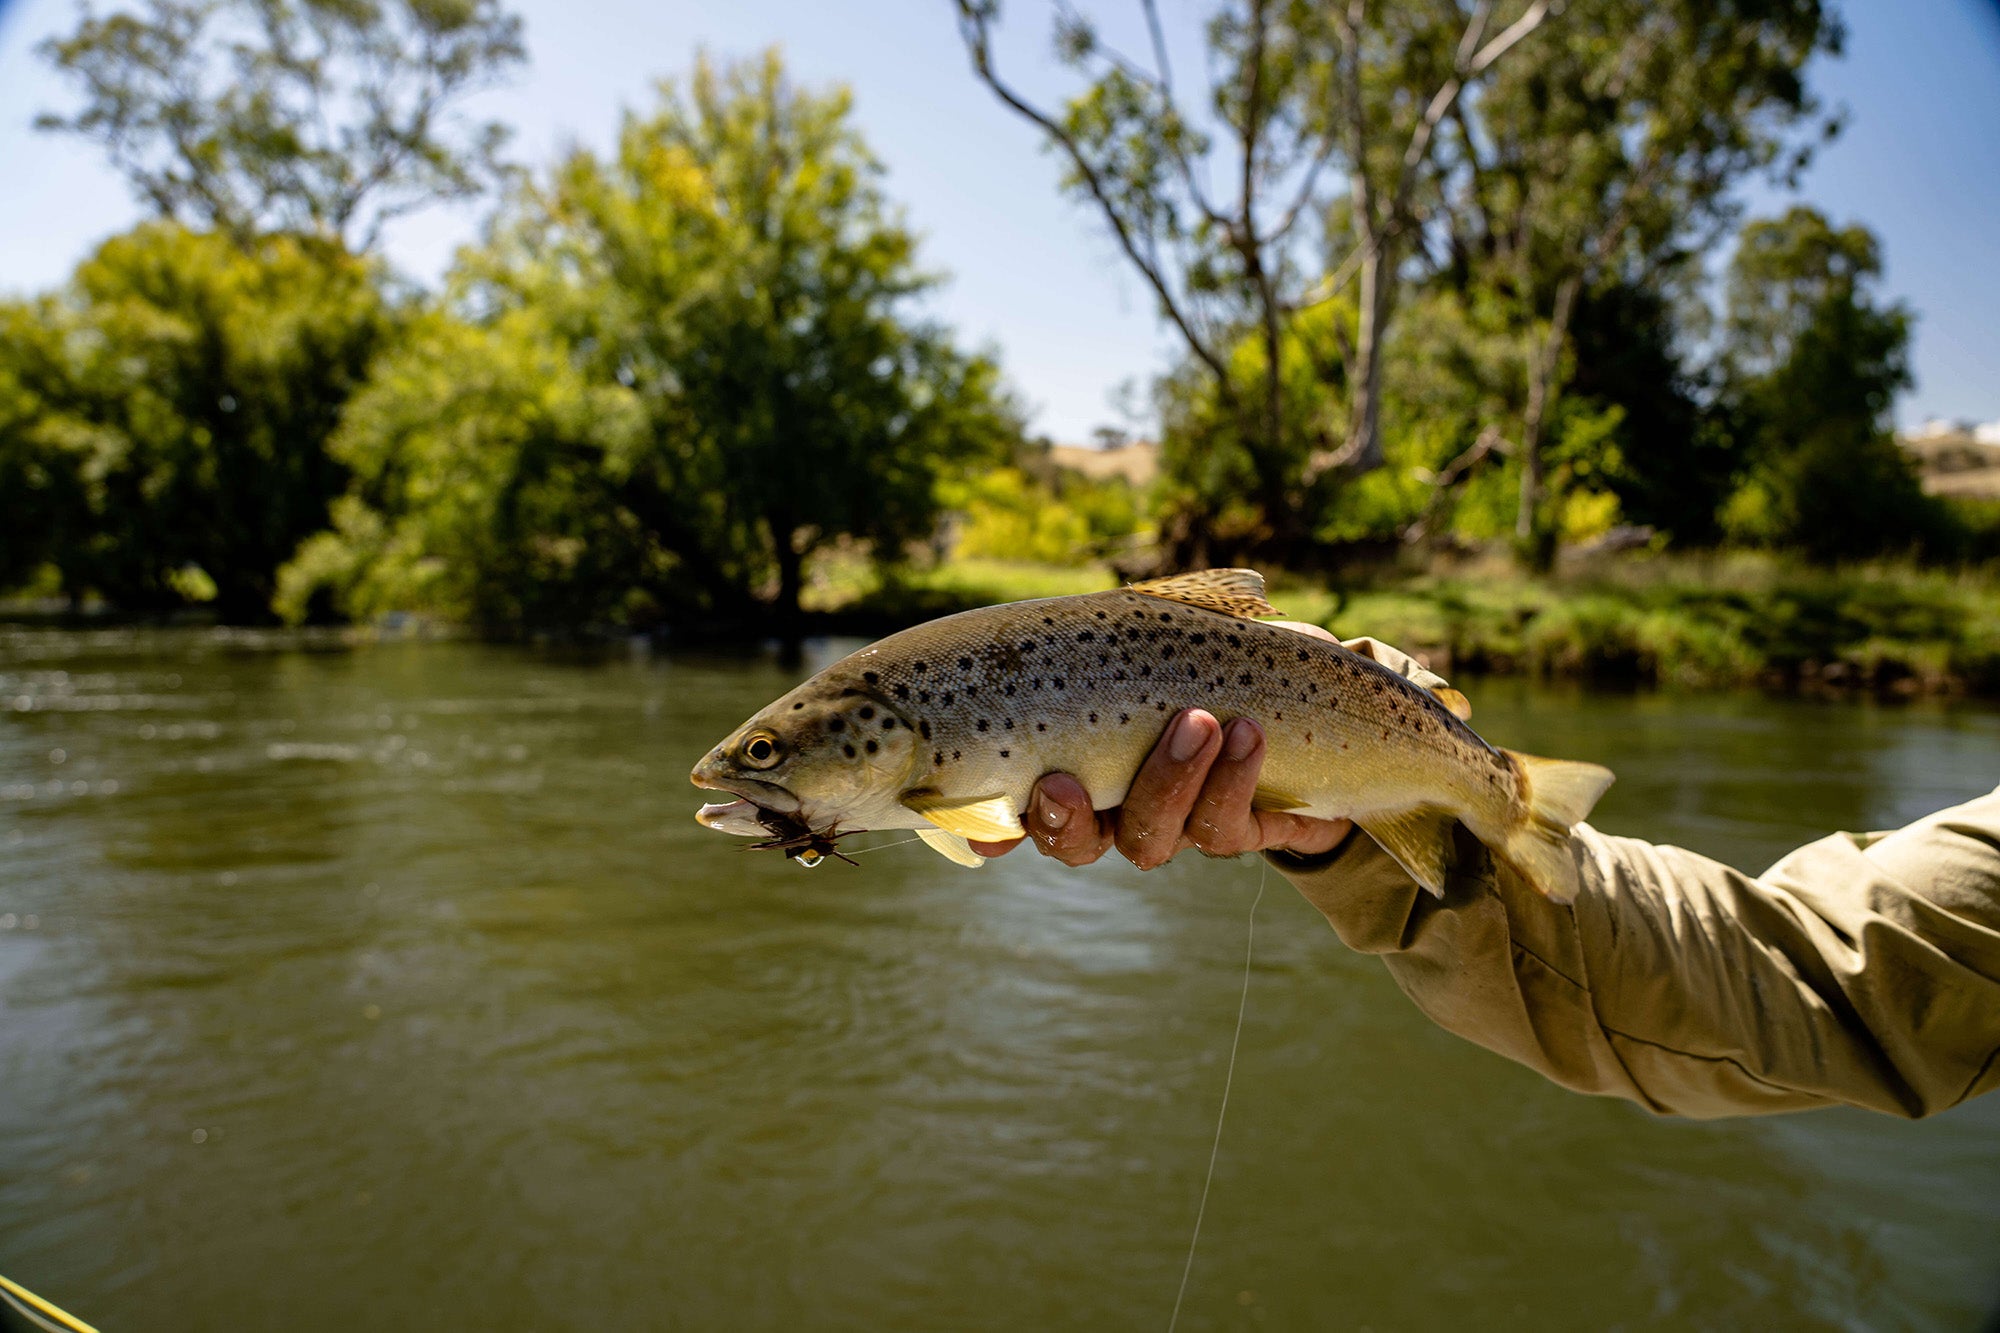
point(1706, 621)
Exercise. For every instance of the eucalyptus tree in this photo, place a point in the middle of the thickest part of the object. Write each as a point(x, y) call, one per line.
point(1611, 160)
point(1322, 120)
point(316, 117)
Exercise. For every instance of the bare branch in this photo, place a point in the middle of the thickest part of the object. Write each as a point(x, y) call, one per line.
point(973, 27)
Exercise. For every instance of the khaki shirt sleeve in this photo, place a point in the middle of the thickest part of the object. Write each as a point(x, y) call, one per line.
point(1862, 970)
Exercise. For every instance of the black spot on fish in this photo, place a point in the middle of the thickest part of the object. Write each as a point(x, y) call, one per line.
point(849, 750)
point(871, 677)
point(965, 664)
point(888, 724)
point(1093, 719)
point(1057, 683)
point(1284, 682)
point(1027, 645)
point(924, 726)
point(1379, 687)
point(1006, 754)
point(873, 746)
point(939, 759)
point(1123, 718)
point(1197, 638)
point(902, 691)
point(1117, 675)
point(954, 755)
point(1009, 691)
point(1048, 620)
point(923, 696)
point(971, 690)
point(982, 724)
point(947, 696)
point(836, 724)
point(1085, 637)
point(796, 707)
point(1041, 726)
point(867, 715)
point(1160, 707)
point(1166, 615)
point(923, 666)
point(1166, 652)
point(1243, 679)
point(1100, 615)
point(1304, 656)
point(1235, 642)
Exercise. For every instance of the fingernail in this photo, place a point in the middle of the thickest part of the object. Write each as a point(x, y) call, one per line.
point(1241, 740)
point(1053, 817)
point(1187, 740)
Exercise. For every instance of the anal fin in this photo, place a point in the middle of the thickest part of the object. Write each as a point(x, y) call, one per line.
point(951, 847)
point(1420, 840)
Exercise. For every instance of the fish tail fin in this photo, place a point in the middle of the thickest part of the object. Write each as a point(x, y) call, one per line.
point(1556, 795)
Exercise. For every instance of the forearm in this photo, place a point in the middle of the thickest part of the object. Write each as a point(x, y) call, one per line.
point(1852, 972)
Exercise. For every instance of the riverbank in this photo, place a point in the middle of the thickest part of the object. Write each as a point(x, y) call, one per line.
point(1730, 620)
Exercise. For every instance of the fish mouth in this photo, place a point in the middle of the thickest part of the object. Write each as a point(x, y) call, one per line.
point(766, 795)
point(744, 818)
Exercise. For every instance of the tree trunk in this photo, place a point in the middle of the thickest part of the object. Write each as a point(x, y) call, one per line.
point(1542, 391)
point(791, 576)
point(1364, 380)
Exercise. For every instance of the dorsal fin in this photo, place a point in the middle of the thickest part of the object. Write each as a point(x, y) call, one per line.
point(1233, 592)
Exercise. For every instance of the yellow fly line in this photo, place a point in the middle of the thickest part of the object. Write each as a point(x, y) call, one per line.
point(40, 1312)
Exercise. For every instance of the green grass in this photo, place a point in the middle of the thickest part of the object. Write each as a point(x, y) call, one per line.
point(1699, 621)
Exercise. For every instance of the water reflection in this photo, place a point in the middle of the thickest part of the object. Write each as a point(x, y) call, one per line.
point(398, 986)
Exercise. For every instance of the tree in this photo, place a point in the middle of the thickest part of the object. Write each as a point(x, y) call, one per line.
point(1608, 160)
point(318, 117)
point(176, 399)
point(714, 367)
point(1813, 367)
point(1326, 119)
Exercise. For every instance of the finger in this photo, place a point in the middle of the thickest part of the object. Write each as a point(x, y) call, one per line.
point(1155, 812)
point(989, 850)
point(1063, 824)
point(1222, 822)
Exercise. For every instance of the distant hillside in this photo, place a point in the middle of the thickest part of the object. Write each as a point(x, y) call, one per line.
point(1956, 462)
point(1138, 462)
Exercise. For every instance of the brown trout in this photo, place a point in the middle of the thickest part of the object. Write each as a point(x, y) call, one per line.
point(944, 728)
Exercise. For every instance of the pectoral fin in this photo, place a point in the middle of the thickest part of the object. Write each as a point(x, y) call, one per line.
point(951, 847)
point(980, 818)
point(1419, 839)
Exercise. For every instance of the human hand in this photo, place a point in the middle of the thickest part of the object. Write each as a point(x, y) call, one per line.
point(1194, 790)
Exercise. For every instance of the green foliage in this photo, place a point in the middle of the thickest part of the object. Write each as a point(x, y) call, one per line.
point(320, 117)
point(1814, 365)
point(668, 377)
point(1010, 514)
point(169, 412)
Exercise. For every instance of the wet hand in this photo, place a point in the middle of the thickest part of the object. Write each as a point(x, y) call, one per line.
point(1194, 790)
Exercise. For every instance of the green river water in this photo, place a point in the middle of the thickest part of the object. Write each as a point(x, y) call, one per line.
point(397, 988)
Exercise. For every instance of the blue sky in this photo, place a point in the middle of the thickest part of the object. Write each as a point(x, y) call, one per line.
point(1033, 274)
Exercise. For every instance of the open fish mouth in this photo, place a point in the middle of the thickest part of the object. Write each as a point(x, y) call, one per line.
point(768, 795)
point(744, 818)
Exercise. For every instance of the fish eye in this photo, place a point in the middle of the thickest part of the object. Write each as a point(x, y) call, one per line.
point(761, 750)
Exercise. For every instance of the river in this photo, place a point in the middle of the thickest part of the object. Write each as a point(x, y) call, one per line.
point(396, 988)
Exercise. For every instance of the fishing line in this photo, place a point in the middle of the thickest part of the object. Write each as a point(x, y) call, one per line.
point(884, 847)
point(1228, 1078)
